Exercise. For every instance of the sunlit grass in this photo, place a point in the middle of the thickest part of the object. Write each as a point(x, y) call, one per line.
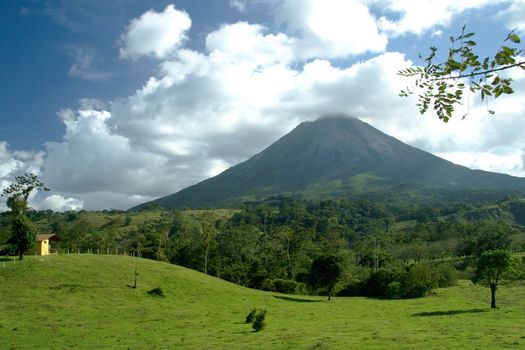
point(84, 302)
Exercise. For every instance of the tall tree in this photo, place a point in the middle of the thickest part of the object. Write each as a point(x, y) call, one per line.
point(23, 231)
point(442, 84)
point(295, 243)
point(490, 268)
point(325, 272)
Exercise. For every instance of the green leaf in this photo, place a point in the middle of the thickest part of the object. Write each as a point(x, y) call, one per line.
point(514, 38)
point(485, 64)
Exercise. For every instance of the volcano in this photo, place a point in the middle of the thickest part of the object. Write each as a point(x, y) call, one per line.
point(336, 157)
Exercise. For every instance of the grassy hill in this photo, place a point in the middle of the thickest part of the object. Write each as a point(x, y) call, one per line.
point(83, 302)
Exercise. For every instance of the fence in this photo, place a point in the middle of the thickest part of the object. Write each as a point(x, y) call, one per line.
point(12, 260)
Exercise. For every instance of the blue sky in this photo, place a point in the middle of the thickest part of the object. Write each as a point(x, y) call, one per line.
point(117, 102)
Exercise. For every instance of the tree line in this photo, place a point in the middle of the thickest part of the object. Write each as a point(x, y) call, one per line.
point(387, 251)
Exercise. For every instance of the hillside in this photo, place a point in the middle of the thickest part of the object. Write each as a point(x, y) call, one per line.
point(82, 302)
point(339, 157)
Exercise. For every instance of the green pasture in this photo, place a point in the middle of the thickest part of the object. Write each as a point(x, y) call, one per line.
point(84, 302)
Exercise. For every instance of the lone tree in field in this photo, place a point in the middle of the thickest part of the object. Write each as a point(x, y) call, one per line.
point(442, 84)
point(490, 268)
point(23, 231)
point(325, 272)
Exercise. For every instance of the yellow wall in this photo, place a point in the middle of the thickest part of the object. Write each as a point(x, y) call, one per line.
point(44, 247)
point(41, 248)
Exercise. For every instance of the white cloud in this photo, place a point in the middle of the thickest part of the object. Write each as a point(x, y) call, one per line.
point(81, 67)
point(437, 33)
point(207, 110)
point(93, 158)
point(239, 5)
point(155, 33)
point(511, 162)
point(247, 43)
point(14, 163)
point(514, 16)
point(56, 202)
point(8, 163)
point(330, 28)
point(408, 16)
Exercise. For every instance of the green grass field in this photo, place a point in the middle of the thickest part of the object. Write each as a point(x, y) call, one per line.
point(83, 302)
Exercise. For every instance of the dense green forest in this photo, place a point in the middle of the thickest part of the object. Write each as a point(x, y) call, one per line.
point(271, 245)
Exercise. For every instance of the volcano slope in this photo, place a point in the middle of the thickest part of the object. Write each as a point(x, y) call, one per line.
point(339, 157)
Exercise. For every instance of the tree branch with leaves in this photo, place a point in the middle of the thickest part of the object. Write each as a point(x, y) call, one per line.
point(23, 231)
point(442, 85)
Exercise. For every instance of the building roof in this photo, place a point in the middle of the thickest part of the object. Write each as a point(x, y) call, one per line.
point(43, 237)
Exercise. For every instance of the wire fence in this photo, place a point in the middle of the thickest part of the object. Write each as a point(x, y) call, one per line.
point(6, 261)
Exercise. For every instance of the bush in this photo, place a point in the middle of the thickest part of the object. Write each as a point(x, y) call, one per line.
point(418, 281)
point(258, 323)
point(448, 276)
point(377, 283)
point(396, 282)
point(156, 292)
point(393, 290)
point(283, 286)
point(8, 250)
point(256, 318)
point(353, 289)
point(251, 316)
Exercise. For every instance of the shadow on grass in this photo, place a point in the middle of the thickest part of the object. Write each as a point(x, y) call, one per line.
point(3, 258)
point(449, 312)
point(298, 300)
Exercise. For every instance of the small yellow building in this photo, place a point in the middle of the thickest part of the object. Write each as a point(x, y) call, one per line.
point(42, 244)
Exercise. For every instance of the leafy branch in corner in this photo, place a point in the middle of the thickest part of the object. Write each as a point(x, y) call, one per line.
point(442, 85)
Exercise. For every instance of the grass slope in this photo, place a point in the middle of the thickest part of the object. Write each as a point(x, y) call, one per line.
point(82, 302)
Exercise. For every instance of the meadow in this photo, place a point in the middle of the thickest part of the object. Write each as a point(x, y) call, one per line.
point(84, 302)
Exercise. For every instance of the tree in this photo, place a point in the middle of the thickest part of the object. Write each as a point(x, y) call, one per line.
point(419, 280)
point(325, 272)
point(443, 84)
point(23, 231)
point(23, 234)
point(19, 191)
point(490, 268)
point(295, 242)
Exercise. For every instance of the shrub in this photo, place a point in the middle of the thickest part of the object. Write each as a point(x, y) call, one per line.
point(258, 323)
point(377, 283)
point(448, 276)
point(8, 250)
point(396, 282)
point(251, 316)
point(353, 289)
point(156, 292)
point(393, 290)
point(256, 318)
point(418, 281)
point(283, 286)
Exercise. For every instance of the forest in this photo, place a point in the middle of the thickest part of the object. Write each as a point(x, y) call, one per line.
point(383, 250)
